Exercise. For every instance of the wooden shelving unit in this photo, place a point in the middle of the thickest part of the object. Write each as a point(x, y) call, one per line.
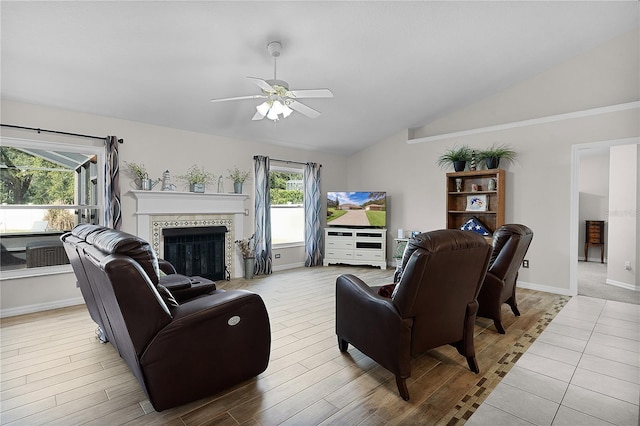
point(457, 213)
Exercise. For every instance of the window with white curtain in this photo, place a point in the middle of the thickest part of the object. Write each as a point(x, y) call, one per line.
point(46, 188)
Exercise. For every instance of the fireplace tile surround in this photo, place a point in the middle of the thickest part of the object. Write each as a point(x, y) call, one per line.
point(156, 210)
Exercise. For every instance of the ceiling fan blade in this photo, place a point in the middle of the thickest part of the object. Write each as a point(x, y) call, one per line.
point(238, 98)
point(257, 116)
point(303, 109)
point(261, 84)
point(310, 93)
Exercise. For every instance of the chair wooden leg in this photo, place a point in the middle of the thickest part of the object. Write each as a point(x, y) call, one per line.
point(514, 309)
point(343, 345)
point(473, 364)
point(499, 326)
point(402, 388)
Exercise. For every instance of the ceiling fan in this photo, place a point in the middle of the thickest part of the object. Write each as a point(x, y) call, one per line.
point(280, 102)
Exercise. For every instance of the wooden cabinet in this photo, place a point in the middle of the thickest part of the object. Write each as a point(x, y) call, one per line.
point(477, 193)
point(355, 246)
point(594, 237)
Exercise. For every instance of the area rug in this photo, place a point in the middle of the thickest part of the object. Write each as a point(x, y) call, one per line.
point(485, 384)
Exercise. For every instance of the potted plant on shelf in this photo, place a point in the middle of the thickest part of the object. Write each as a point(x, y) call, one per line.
point(247, 250)
point(238, 176)
point(493, 155)
point(197, 178)
point(139, 174)
point(458, 156)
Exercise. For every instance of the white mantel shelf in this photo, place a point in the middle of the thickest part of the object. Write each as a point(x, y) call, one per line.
point(178, 202)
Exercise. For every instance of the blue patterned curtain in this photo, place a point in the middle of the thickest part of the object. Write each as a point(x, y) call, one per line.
point(112, 213)
point(263, 216)
point(312, 215)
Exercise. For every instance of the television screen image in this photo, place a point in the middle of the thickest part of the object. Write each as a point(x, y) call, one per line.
point(357, 209)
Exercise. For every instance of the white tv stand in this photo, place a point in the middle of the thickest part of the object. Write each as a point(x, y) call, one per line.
point(355, 246)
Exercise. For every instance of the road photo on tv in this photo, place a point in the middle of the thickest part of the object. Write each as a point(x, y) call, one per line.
point(357, 209)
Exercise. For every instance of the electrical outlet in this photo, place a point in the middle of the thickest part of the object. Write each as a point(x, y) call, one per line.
point(627, 265)
point(277, 256)
point(525, 263)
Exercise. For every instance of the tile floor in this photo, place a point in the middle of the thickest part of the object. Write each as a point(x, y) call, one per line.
point(584, 369)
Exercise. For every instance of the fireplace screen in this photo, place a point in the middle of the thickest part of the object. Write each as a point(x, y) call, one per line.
point(196, 251)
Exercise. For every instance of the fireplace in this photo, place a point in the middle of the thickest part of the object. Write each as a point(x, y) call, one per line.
point(197, 251)
point(160, 210)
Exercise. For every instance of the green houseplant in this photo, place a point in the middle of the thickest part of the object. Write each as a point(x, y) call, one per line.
point(197, 178)
point(139, 174)
point(495, 153)
point(238, 176)
point(458, 156)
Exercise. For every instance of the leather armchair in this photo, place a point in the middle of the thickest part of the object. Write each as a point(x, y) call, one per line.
point(178, 352)
point(510, 245)
point(433, 304)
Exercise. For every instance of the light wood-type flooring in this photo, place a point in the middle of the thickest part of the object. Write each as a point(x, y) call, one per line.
point(54, 371)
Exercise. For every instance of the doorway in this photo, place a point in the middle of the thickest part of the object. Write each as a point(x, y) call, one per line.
point(590, 201)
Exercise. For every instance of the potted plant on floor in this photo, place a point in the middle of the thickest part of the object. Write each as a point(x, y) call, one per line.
point(247, 250)
point(238, 176)
point(197, 178)
point(493, 155)
point(458, 156)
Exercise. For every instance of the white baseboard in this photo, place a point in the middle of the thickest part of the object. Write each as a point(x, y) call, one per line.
point(40, 307)
point(593, 260)
point(288, 266)
point(545, 288)
point(622, 285)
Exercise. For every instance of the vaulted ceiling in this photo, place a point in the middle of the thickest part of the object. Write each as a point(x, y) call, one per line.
point(391, 65)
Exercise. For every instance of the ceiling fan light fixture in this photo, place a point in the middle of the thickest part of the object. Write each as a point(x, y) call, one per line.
point(272, 115)
point(263, 108)
point(286, 111)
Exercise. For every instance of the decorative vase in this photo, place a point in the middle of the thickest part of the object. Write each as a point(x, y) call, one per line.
point(249, 266)
point(196, 187)
point(237, 187)
point(459, 166)
point(492, 162)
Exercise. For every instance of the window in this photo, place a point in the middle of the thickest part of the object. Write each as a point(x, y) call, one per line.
point(287, 205)
point(45, 190)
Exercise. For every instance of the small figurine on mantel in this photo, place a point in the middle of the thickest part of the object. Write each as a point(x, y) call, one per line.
point(166, 182)
point(220, 185)
point(473, 161)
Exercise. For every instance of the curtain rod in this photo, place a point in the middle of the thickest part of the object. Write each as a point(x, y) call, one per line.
point(57, 132)
point(288, 161)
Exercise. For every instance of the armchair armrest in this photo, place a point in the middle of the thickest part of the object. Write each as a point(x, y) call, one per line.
point(372, 324)
point(220, 339)
point(166, 267)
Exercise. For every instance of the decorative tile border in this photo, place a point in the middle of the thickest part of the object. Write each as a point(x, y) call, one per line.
point(483, 387)
point(158, 223)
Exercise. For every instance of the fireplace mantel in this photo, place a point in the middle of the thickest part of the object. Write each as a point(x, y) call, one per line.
point(177, 202)
point(152, 205)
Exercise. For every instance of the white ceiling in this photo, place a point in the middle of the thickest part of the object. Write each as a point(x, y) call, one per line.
point(391, 65)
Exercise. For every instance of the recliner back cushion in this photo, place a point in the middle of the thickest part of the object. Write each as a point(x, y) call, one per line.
point(111, 241)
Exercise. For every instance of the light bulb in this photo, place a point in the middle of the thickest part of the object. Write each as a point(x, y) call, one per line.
point(272, 115)
point(286, 111)
point(277, 107)
point(263, 108)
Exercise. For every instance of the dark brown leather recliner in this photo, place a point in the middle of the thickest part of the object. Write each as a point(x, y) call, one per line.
point(433, 304)
point(510, 245)
point(178, 351)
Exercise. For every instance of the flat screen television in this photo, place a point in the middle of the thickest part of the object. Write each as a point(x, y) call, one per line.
point(357, 209)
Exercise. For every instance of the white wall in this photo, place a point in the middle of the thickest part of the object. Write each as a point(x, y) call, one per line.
point(159, 148)
point(623, 202)
point(593, 186)
point(539, 182)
